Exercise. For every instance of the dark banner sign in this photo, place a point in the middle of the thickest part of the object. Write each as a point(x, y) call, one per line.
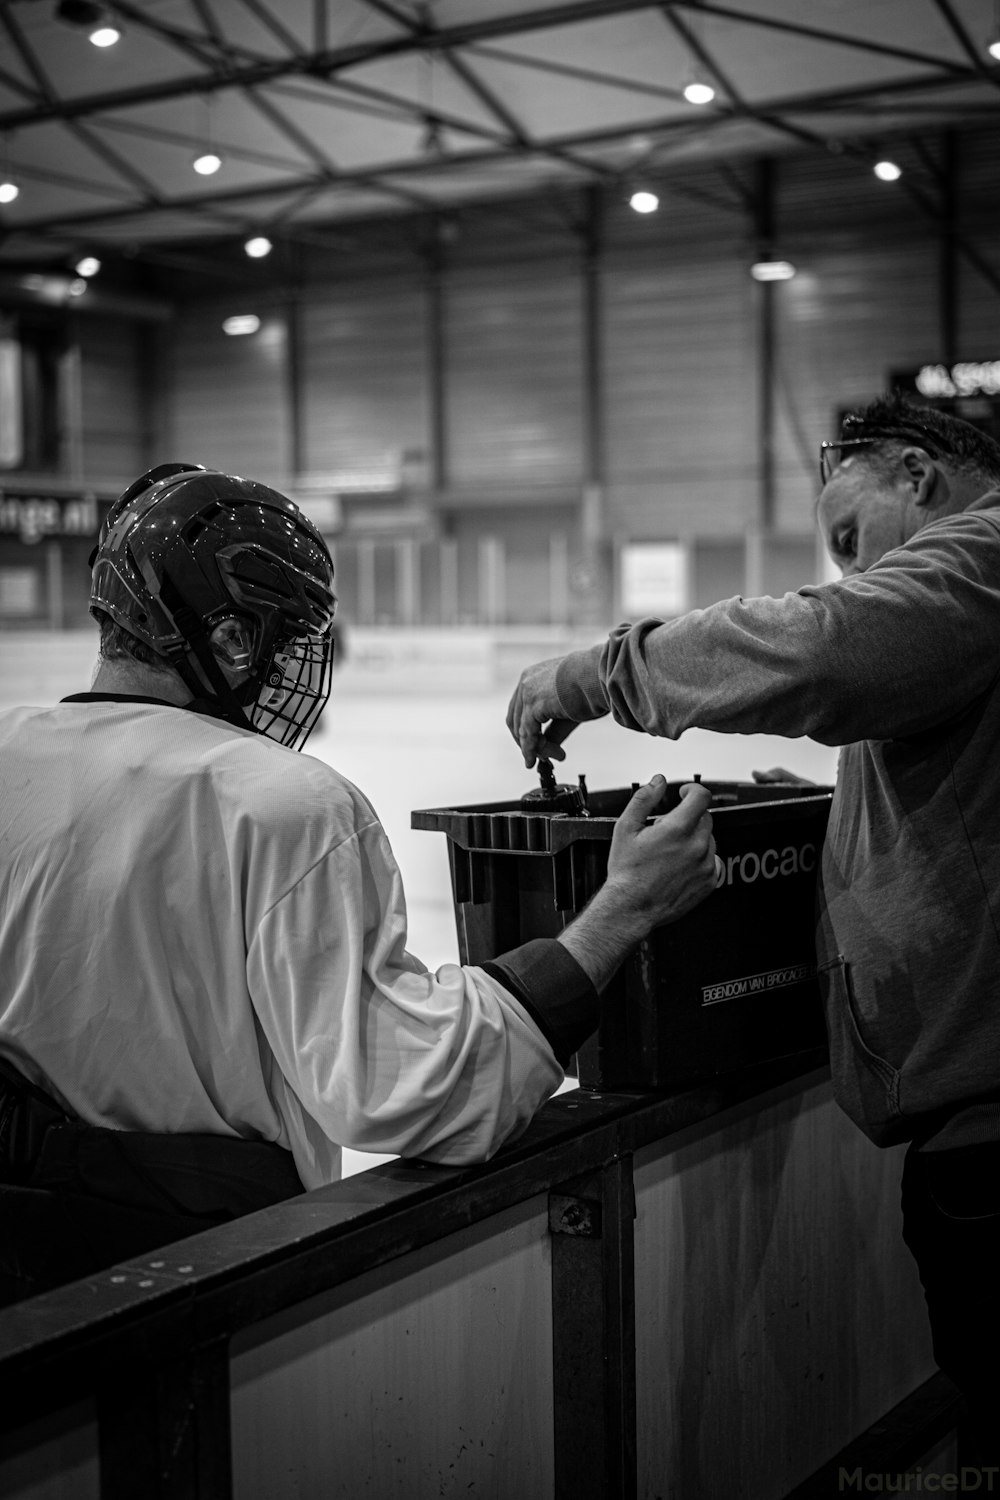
point(967, 377)
point(969, 389)
point(36, 515)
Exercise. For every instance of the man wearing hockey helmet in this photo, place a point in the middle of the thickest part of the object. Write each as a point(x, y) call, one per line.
point(207, 991)
point(230, 585)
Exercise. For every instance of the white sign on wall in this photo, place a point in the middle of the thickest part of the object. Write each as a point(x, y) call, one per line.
point(20, 591)
point(654, 579)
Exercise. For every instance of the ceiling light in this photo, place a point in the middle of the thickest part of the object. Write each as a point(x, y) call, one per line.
point(89, 265)
point(772, 270)
point(698, 92)
point(887, 171)
point(241, 323)
point(993, 40)
point(76, 287)
point(207, 163)
point(97, 20)
point(8, 191)
point(259, 246)
point(644, 202)
point(105, 34)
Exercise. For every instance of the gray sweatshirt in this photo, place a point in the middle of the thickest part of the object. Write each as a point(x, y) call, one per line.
point(899, 666)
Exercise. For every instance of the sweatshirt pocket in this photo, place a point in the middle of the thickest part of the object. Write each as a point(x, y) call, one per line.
point(866, 1086)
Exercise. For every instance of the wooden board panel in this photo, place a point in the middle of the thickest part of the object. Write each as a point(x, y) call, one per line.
point(779, 1311)
point(55, 1458)
point(426, 1379)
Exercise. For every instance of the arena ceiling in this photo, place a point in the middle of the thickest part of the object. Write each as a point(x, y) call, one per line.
point(325, 110)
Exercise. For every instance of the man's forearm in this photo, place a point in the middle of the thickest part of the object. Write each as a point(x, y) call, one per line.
point(603, 935)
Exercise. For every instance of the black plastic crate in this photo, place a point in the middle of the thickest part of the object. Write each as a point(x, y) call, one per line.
point(730, 984)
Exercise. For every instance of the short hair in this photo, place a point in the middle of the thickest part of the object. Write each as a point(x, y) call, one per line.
point(892, 422)
point(118, 644)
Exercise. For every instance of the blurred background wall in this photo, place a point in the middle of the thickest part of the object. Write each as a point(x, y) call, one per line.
point(540, 416)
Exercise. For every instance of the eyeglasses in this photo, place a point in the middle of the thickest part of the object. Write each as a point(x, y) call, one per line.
point(829, 453)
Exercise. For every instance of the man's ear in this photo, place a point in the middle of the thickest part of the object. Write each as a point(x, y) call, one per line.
point(923, 475)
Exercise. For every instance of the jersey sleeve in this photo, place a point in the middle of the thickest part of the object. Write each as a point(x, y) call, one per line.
point(882, 654)
point(382, 1054)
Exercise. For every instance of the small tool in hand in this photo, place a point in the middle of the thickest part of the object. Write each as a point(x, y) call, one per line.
point(551, 796)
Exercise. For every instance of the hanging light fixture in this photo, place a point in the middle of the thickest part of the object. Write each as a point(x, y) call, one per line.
point(993, 40)
point(258, 247)
point(241, 324)
point(87, 266)
point(697, 87)
point(698, 91)
point(105, 34)
point(8, 187)
point(643, 201)
point(208, 161)
point(97, 20)
point(887, 171)
point(769, 268)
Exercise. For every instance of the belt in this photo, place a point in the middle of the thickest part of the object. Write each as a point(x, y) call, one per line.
point(215, 1177)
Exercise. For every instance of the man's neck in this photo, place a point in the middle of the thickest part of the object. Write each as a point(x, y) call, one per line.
point(134, 677)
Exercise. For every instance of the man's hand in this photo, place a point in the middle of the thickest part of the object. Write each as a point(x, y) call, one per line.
point(656, 873)
point(662, 870)
point(534, 703)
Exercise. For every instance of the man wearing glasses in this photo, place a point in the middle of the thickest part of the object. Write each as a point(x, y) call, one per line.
point(898, 663)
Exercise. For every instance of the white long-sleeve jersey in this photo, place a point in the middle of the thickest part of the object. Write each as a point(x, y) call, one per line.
point(203, 931)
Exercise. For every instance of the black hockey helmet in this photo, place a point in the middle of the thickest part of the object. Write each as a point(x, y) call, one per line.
point(226, 575)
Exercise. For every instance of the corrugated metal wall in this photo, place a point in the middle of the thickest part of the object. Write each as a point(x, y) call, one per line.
point(680, 399)
point(514, 375)
point(229, 402)
point(657, 396)
point(364, 376)
point(114, 416)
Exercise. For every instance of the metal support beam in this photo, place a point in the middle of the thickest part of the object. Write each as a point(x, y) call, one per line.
point(593, 1334)
point(593, 395)
point(948, 250)
point(295, 386)
point(765, 349)
point(437, 422)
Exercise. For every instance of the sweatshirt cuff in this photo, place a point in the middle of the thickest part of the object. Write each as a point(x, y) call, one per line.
point(554, 990)
point(579, 686)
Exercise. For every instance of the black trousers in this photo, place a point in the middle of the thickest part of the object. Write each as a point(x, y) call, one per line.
point(951, 1224)
point(75, 1198)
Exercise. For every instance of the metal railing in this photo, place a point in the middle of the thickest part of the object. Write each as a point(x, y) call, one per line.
point(148, 1341)
point(146, 1345)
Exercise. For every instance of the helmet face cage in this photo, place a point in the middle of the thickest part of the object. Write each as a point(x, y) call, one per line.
point(294, 690)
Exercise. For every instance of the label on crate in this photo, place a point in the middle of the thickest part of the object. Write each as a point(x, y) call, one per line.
point(750, 866)
point(756, 984)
